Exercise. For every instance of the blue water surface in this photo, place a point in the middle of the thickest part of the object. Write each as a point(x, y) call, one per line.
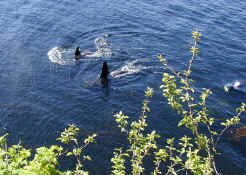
point(38, 98)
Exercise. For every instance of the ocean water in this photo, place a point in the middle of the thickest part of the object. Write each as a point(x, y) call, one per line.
point(39, 97)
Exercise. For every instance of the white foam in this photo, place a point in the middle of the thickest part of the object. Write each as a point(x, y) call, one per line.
point(235, 85)
point(103, 47)
point(128, 69)
point(66, 56)
point(61, 56)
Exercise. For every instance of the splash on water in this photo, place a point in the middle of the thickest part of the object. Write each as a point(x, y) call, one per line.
point(233, 85)
point(103, 47)
point(128, 69)
point(61, 56)
point(64, 56)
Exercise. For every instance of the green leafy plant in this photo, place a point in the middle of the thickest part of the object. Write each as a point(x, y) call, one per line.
point(16, 160)
point(193, 153)
point(141, 143)
point(197, 153)
point(69, 136)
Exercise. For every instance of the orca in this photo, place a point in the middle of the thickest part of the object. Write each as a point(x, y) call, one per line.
point(232, 86)
point(77, 53)
point(104, 75)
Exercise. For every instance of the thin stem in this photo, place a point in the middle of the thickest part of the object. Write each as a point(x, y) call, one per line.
point(193, 56)
point(215, 169)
